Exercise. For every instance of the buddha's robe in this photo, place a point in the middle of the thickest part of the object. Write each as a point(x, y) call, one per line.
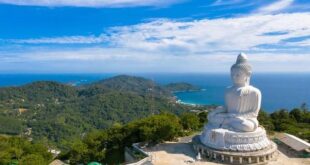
point(241, 109)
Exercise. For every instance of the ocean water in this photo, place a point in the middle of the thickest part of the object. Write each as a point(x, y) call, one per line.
point(279, 90)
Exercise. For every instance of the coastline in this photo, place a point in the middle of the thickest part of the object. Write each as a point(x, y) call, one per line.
point(185, 103)
point(182, 91)
point(180, 101)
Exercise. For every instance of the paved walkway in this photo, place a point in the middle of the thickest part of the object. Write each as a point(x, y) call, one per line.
point(181, 153)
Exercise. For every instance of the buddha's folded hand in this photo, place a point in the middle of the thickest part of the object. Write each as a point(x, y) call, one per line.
point(232, 115)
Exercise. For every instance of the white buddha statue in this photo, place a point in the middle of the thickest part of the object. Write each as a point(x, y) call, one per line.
point(235, 126)
point(242, 101)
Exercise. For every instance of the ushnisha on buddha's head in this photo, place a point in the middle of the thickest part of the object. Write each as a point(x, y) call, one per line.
point(241, 71)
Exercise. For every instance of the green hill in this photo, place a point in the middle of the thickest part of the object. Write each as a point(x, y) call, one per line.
point(57, 111)
point(133, 84)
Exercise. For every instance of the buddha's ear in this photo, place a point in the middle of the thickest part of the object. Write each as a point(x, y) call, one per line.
point(248, 79)
point(249, 73)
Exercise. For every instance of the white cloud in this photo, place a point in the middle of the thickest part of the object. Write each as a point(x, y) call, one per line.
point(275, 7)
point(207, 45)
point(91, 3)
point(209, 35)
point(206, 35)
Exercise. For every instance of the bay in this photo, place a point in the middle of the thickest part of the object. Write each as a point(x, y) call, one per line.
point(279, 90)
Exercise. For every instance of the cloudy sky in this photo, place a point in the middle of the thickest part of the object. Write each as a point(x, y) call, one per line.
point(126, 36)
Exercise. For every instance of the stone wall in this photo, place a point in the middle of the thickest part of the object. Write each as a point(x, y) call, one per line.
point(131, 157)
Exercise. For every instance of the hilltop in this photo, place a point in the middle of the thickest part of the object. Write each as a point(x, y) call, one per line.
point(133, 84)
point(182, 86)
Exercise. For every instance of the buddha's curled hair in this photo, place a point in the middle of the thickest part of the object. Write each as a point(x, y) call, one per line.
point(242, 63)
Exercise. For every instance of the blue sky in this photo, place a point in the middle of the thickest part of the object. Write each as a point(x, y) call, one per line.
point(124, 36)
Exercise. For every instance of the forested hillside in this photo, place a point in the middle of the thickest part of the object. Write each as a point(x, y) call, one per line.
point(58, 112)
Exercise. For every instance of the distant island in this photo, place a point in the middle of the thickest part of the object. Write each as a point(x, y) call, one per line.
point(182, 87)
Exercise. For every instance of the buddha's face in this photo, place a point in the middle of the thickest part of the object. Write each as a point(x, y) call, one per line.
point(240, 77)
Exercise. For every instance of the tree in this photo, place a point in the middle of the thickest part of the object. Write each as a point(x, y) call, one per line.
point(265, 121)
point(16, 149)
point(281, 120)
point(160, 127)
point(108, 145)
point(296, 114)
point(203, 117)
point(304, 107)
point(190, 121)
point(78, 153)
point(33, 159)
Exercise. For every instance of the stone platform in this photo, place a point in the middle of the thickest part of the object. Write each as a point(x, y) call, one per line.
point(262, 156)
point(223, 139)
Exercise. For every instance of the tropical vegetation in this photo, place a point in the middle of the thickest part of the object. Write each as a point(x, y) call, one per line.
point(95, 122)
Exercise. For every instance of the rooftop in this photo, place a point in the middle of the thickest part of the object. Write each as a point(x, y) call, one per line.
point(293, 142)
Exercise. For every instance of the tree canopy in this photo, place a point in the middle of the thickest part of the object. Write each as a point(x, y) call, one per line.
point(20, 150)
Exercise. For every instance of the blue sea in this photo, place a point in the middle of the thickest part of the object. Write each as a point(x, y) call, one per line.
point(279, 90)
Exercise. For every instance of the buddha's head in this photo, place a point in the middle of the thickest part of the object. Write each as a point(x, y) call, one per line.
point(241, 71)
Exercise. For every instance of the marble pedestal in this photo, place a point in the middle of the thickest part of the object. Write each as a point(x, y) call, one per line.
point(262, 156)
point(224, 139)
point(235, 147)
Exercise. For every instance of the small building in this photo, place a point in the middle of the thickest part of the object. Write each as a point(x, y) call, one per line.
point(28, 131)
point(54, 152)
point(294, 142)
point(21, 110)
point(298, 145)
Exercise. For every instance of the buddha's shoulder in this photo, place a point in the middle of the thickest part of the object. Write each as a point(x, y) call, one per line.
point(248, 88)
point(253, 89)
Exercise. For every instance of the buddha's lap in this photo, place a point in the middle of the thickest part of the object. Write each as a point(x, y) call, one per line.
point(238, 122)
point(243, 124)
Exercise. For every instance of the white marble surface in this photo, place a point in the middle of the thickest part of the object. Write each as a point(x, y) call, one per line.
point(225, 139)
point(235, 126)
